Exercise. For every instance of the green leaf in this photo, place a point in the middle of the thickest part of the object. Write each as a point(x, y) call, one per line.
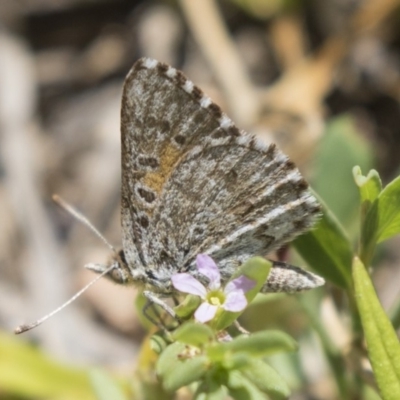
point(327, 249)
point(370, 186)
point(185, 373)
point(210, 390)
point(383, 344)
point(256, 269)
point(193, 334)
point(266, 379)
point(216, 352)
point(188, 306)
point(178, 366)
point(158, 342)
point(188, 371)
point(169, 358)
point(105, 387)
point(25, 372)
point(261, 343)
point(382, 220)
point(140, 303)
point(389, 211)
point(241, 388)
point(369, 234)
point(235, 360)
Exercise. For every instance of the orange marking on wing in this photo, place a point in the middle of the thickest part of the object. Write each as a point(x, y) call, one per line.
point(156, 180)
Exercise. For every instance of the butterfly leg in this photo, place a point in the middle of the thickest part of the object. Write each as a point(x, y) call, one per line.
point(154, 299)
point(175, 300)
point(240, 328)
point(158, 321)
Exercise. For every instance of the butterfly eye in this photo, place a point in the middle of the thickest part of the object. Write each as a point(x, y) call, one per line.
point(119, 274)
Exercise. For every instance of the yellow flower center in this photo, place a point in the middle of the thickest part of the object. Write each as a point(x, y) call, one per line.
point(216, 298)
point(214, 301)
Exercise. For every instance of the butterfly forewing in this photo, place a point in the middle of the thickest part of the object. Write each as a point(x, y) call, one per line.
point(193, 183)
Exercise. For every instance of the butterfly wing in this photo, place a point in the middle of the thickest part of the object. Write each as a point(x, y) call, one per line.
point(232, 200)
point(160, 121)
point(193, 183)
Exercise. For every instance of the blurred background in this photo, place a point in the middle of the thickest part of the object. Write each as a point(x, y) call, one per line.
point(319, 78)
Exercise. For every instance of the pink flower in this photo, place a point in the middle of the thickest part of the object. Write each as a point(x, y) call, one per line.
point(231, 298)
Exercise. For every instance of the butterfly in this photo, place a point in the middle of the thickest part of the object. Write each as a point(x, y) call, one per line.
point(193, 183)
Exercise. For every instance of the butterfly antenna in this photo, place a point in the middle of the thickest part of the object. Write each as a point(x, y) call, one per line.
point(80, 217)
point(26, 327)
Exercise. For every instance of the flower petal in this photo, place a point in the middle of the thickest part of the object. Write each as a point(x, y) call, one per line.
point(207, 267)
point(242, 283)
point(206, 312)
point(187, 284)
point(235, 301)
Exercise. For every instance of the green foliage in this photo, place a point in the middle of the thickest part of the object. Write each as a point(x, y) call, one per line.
point(370, 186)
point(140, 303)
point(327, 249)
point(198, 355)
point(158, 343)
point(266, 379)
point(179, 365)
point(187, 307)
point(387, 211)
point(105, 386)
point(26, 373)
point(236, 364)
point(382, 218)
point(383, 344)
point(259, 344)
point(194, 334)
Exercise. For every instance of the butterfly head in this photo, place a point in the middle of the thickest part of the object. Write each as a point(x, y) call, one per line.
point(117, 267)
